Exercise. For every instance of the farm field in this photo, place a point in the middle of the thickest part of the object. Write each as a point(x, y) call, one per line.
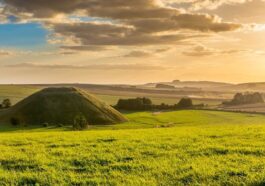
point(170, 148)
point(257, 107)
point(18, 92)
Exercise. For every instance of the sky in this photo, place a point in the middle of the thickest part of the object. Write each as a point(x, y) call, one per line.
point(131, 42)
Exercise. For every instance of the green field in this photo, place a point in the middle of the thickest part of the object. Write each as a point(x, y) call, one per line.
point(18, 92)
point(170, 148)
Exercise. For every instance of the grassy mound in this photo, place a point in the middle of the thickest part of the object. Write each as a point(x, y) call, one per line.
point(61, 106)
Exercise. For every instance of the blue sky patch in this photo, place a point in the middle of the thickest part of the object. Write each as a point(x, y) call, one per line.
point(23, 36)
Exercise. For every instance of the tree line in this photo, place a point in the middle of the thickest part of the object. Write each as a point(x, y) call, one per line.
point(247, 98)
point(143, 104)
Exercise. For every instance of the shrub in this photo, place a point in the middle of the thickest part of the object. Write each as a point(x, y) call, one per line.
point(6, 103)
point(80, 122)
point(134, 104)
point(14, 121)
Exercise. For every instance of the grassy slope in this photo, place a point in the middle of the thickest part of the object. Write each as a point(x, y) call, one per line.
point(60, 106)
point(204, 147)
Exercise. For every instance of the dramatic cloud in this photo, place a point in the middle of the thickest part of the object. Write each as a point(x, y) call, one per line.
point(115, 22)
point(117, 9)
point(204, 4)
point(92, 34)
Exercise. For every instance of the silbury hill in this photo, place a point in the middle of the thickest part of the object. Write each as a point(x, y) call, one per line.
point(60, 106)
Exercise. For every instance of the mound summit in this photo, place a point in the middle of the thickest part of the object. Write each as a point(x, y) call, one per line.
point(61, 106)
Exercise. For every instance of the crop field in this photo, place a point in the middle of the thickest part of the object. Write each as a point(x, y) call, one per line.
point(169, 148)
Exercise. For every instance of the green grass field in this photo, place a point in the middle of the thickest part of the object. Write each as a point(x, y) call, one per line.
point(18, 92)
point(170, 148)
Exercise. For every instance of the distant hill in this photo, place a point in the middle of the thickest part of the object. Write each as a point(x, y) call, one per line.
point(199, 84)
point(164, 86)
point(191, 84)
point(61, 106)
point(255, 86)
point(213, 86)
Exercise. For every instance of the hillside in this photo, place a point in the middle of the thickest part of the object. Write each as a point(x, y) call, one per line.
point(199, 84)
point(252, 87)
point(61, 106)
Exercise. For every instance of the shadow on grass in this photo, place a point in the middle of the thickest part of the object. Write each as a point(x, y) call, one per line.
point(36, 128)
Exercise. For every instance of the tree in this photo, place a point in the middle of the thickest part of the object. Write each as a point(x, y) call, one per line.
point(134, 104)
point(80, 122)
point(247, 98)
point(6, 103)
point(185, 103)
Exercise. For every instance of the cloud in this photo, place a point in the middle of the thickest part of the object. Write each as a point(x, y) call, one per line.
point(135, 22)
point(204, 4)
point(3, 17)
point(89, 67)
point(201, 51)
point(145, 54)
point(5, 53)
point(248, 12)
point(193, 22)
point(91, 48)
point(138, 54)
point(116, 9)
point(103, 34)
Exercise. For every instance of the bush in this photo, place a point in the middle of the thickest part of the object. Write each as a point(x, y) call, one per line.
point(134, 104)
point(6, 103)
point(14, 121)
point(80, 122)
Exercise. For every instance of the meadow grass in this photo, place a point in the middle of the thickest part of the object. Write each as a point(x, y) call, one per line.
point(172, 148)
